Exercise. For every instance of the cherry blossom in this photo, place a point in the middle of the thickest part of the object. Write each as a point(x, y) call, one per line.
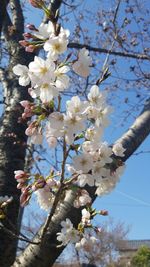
point(75, 123)
point(44, 31)
point(56, 46)
point(62, 80)
point(118, 150)
point(83, 163)
point(68, 233)
point(82, 199)
point(45, 197)
point(23, 72)
point(41, 71)
point(82, 65)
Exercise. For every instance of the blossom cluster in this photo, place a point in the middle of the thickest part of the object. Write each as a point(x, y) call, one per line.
point(78, 125)
point(86, 237)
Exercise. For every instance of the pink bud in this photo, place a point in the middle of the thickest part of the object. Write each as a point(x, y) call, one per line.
point(24, 198)
point(24, 103)
point(23, 43)
point(21, 185)
point(19, 174)
point(31, 27)
point(36, 3)
point(27, 35)
point(30, 48)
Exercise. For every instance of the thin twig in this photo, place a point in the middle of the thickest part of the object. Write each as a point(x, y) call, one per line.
point(6, 230)
point(106, 51)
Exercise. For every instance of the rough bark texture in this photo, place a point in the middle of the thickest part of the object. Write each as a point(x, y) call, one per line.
point(12, 136)
point(45, 254)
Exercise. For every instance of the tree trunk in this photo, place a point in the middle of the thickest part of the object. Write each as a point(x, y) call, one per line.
point(12, 137)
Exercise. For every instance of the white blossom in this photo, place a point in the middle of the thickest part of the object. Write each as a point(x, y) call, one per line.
point(83, 163)
point(44, 197)
point(96, 97)
point(89, 243)
point(23, 72)
point(105, 153)
point(73, 124)
point(86, 216)
point(76, 106)
point(99, 171)
point(47, 92)
point(56, 120)
point(56, 46)
point(68, 233)
point(94, 134)
point(118, 150)
point(82, 65)
point(41, 71)
point(82, 199)
point(84, 179)
point(62, 80)
point(45, 30)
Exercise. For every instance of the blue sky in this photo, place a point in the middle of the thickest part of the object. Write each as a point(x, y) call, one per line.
point(130, 201)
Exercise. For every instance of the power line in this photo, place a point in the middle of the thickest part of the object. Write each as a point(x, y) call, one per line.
point(133, 198)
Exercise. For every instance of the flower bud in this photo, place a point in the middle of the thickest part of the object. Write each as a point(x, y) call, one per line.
point(27, 35)
point(37, 3)
point(30, 48)
point(23, 43)
point(25, 196)
point(103, 212)
point(31, 27)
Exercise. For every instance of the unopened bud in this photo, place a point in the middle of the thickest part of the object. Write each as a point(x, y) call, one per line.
point(23, 43)
point(31, 27)
point(36, 3)
point(103, 212)
point(30, 48)
point(27, 35)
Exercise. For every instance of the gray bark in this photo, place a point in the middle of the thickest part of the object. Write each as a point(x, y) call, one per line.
point(45, 254)
point(12, 136)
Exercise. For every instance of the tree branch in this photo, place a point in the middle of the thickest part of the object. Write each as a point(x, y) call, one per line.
point(107, 51)
point(35, 255)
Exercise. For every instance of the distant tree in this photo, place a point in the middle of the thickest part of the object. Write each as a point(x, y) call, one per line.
point(112, 235)
point(141, 258)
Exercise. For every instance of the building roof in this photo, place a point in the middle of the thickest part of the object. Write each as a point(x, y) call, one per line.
point(130, 245)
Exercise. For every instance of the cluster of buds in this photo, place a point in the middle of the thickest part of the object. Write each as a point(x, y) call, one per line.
point(31, 42)
point(4, 202)
point(21, 178)
point(30, 46)
point(29, 183)
point(28, 109)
